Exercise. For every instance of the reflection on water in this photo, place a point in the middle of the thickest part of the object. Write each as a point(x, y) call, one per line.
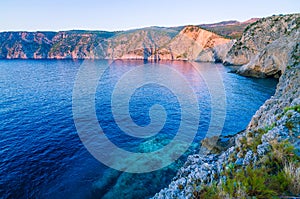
point(41, 154)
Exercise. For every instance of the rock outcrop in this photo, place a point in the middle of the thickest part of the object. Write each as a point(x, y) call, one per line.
point(138, 44)
point(24, 45)
point(215, 54)
point(265, 46)
point(189, 43)
point(78, 45)
point(277, 120)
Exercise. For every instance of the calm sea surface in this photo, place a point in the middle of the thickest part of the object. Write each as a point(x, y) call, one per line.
point(41, 154)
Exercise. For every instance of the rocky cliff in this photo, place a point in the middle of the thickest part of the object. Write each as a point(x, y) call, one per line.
point(53, 45)
point(189, 43)
point(265, 46)
point(148, 43)
point(23, 45)
point(138, 44)
point(154, 43)
point(263, 160)
point(79, 45)
point(268, 140)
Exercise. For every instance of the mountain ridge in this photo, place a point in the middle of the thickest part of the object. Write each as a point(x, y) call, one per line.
point(141, 43)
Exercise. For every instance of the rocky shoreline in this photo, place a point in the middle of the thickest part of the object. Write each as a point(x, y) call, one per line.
point(269, 47)
point(199, 171)
point(277, 120)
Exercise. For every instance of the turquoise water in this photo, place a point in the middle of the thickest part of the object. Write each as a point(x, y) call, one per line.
point(42, 156)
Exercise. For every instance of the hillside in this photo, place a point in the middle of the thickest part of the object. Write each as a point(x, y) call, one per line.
point(189, 43)
point(264, 160)
point(266, 45)
point(230, 29)
point(53, 45)
point(147, 43)
point(203, 43)
point(138, 44)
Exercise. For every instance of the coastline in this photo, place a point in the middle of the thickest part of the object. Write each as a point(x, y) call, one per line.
point(200, 171)
point(275, 126)
point(273, 130)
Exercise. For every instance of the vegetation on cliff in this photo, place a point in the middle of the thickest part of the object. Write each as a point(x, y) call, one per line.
point(229, 29)
point(264, 160)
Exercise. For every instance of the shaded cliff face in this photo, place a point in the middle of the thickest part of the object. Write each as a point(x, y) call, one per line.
point(265, 46)
point(287, 94)
point(24, 45)
point(53, 45)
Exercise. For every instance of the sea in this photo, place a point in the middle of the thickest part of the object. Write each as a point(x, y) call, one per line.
point(44, 150)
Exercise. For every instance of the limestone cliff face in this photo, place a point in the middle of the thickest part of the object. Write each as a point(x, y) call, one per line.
point(54, 45)
point(74, 46)
point(215, 54)
point(138, 44)
point(265, 46)
point(277, 120)
point(189, 43)
point(152, 43)
point(273, 60)
point(287, 94)
point(133, 44)
point(24, 45)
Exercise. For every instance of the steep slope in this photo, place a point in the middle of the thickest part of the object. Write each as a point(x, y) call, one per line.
point(152, 43)
point(53, 45)
point(189, 43)
point(230, 29)
point(79, 45)
point(138, 44)
point(266, 144)
point(25, 45)
point(265, 46)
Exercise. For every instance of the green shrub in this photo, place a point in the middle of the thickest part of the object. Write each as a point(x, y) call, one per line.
point(294, 108)
point(289, 125)
point(254, 182)
point(278, 174)
point(211, 191)
point(282, 152)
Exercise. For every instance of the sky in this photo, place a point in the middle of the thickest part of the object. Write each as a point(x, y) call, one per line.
point(111, 15)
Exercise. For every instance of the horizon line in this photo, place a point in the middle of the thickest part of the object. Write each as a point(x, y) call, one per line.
point(128, 29)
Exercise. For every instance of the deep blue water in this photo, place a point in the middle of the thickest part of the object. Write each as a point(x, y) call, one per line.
point(42, 156)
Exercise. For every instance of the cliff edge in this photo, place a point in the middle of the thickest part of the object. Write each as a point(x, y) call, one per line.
point(265, 46)
point(264, 159)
